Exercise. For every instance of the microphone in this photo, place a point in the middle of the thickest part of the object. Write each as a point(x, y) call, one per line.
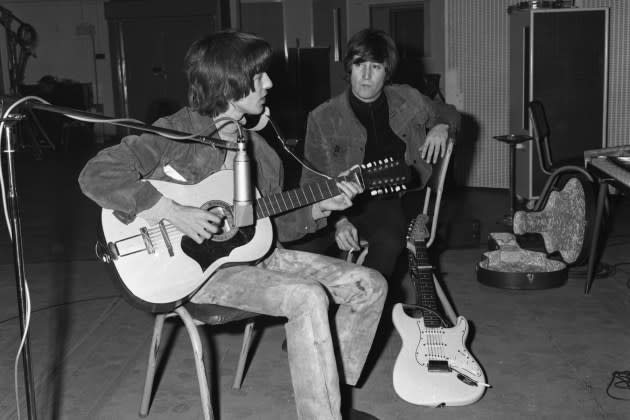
point(243, 193)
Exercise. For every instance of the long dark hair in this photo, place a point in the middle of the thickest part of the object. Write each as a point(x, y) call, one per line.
point(371, 45)
point(221, 68)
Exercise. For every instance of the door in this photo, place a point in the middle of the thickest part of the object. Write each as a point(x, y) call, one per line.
point(154, 51)
point(405, 22)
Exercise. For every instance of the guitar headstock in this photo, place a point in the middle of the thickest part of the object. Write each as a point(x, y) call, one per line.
point(417, 231)
point(384, 176)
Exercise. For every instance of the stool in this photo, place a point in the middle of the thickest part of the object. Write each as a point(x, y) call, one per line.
point(512, 140)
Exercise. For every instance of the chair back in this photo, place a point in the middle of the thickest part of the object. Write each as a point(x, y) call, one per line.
point(542, 134)
point(435, 188)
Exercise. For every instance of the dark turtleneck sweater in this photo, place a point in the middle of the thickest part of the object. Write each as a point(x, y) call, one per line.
point(381, 142)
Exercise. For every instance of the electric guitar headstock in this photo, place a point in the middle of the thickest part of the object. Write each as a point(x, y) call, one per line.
point(417, 232)
point(417, 235)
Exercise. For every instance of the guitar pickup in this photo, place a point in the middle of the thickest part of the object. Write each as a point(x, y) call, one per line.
point(438, 366)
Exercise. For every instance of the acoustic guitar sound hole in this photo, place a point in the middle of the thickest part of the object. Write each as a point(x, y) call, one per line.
point(224, 210)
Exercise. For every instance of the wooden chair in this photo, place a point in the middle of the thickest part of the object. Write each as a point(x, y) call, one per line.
point(193, 315)
point(431, 208)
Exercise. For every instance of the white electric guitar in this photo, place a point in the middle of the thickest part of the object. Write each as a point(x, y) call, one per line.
point(159, 268)
point(433, 368)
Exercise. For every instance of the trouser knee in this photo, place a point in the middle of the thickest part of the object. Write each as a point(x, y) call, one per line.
point(307, 298)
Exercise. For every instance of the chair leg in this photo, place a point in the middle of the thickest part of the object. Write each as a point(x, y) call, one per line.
point(148, 382)
point(195, 340)
point(247, 341)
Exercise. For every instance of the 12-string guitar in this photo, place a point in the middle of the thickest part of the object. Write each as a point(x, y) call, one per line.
point(434, 367)
point(159, 268)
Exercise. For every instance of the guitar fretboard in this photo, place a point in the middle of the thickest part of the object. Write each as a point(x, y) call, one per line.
point(299, 197)
point(422, 277)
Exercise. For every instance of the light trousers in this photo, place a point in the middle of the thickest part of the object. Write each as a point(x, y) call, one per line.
point(299, 285)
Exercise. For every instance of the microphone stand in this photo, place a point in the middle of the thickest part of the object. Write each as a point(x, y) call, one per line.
point(16, 227)
point(136, 125)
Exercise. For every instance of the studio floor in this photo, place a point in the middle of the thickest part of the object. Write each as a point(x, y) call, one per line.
point(548, 354)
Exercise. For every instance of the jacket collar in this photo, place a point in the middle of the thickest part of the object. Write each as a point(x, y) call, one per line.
point(395, 101)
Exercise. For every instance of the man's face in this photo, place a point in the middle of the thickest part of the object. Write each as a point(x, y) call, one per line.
point(367, 80)
point(254, 103)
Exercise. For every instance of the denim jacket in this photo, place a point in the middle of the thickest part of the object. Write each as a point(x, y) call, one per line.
point(335, 139)
point(114, 177)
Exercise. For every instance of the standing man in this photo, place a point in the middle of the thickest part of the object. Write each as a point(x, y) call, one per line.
point(227, 79)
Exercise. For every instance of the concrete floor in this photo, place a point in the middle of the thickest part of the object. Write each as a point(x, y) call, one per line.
point(548, 354)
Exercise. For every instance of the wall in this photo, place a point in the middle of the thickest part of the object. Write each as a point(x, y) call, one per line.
point(65, 46)
point(477, 69)
point(618, 64)
point(359, 18)
point(298, 18)
point(475, 64)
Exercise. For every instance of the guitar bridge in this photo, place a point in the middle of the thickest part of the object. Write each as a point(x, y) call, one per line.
point(132, 245)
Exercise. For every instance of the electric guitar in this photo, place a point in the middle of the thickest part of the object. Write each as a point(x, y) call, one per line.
point(159, 268)
point(433, 368)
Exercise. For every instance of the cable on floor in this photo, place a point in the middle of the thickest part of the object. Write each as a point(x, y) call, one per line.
point(62, 304)
point(619, 381)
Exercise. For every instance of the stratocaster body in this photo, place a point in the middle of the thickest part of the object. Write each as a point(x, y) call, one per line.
point(434, 367)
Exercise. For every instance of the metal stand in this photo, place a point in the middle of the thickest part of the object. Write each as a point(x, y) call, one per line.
point(512, 140)
point(14, 213)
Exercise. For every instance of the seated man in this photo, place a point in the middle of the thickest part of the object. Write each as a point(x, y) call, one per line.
point(373, 120)
point(227, 79)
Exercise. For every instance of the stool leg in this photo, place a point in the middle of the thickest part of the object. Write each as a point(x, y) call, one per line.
point(240, 368)
point(592, 255)
point(195, 340)
point(148, 382)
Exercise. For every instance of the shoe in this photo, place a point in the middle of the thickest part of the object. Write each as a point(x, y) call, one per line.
point(355, 414)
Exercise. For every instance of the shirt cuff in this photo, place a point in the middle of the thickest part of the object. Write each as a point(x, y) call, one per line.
point(159, 211)
point(318, 213)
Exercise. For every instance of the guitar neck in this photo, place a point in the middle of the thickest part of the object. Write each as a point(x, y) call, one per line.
point(299, 197)
point(422, 277)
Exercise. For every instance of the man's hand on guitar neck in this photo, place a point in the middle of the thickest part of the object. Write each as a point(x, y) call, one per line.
point(349, 189)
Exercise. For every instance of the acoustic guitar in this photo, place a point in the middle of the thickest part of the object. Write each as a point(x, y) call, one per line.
point(159, 268)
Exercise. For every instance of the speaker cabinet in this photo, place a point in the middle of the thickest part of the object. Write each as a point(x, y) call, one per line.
point(559, 57)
